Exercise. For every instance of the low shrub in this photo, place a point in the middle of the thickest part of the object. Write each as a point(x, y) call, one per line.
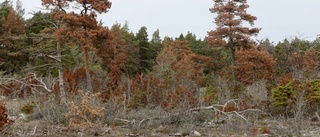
point(50, 111)
point(28, 107)
point(86, 114)
point(4, 121)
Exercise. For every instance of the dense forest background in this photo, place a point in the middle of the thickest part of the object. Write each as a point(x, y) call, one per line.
point(60, 54)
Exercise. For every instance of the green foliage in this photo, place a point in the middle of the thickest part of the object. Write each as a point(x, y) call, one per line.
point(294, 53)
point(138, 100)
point(132, 49)
point(38, 23)
point(20, 10)
point(197, 45)
point(144, 50)
point(13, 53)
point(155, 46)
point(315, 90)
point(282, 95)
point(4, 9)
point(210, 95)
point(208, 80)
point(266, 45)
point(28, 107)
point(203, 116)
point(287, 95)
point(43, 65)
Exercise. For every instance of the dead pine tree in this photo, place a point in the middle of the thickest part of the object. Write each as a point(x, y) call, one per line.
point(230, 32)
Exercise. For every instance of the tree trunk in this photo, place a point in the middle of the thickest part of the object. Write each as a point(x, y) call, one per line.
point(60, 71)
point(234, 73)
point(89, 83)
point(233, 63)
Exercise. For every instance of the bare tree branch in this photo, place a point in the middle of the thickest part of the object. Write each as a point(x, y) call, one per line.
point(220, 110)
point(25, 82)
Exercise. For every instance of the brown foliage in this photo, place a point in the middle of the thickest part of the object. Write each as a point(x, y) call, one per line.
point(70, 80)
point(255, 130)
point(189, 64)
point(229, 20)
point(295, 60)
point(22, 87)
point(145, 90)
point(74, 82)
point(285, 79)
point(180, 70)
point(73, 79)
point(13, 23)
point(230, 32)
point(141, 91)
point(12, 56)
point(306, 62)
point(311, 60)
point(97, 5)
point(265, 130)
point(86, 114)
point(4, 121)
point(182, 98)
point(113, 89)
point(113, 51)
point(236, 105)
point(81, 28)
point(260, 130)
point(253, 65)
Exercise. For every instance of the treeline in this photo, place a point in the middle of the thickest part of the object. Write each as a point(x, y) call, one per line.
point(135, 71)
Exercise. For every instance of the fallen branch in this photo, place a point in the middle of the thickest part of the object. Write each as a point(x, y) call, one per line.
point(27, 81)
point(126, 121)
point(43, 85)
point(34, 130)
point(239, 116)
point(221, 110)
point(143, 120)
point(317, 115)
point(132, 135)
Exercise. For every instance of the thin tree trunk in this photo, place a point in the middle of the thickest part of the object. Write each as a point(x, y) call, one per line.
point(60, 71)
point(127, 94)
point(89, 83)
point(234, 74)
point(233, 59)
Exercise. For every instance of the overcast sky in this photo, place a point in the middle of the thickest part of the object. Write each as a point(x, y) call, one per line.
point(278, 19)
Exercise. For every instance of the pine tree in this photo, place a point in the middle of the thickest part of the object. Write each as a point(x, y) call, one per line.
point(12, 54)
point(230, 32)
point(155, 46)
point(80, 28)
point(20, 10)
point(144, 49)
point(132, 63)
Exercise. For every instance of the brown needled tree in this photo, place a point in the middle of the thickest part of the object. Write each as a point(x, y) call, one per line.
point(12, 55)
point(230, 31)
point(80, 26)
